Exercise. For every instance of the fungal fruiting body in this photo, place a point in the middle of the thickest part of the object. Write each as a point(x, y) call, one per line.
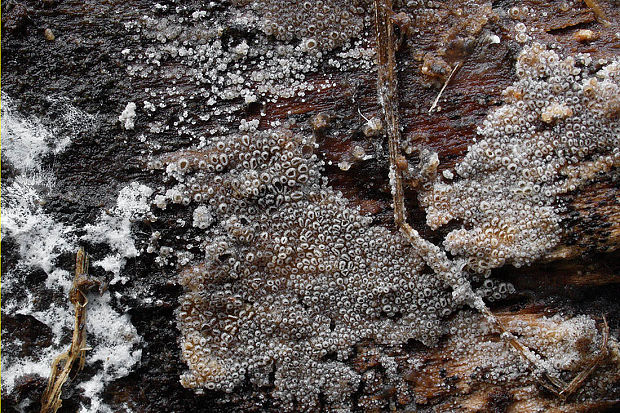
point(293, 278)
point(323, 25)
point(558, 129)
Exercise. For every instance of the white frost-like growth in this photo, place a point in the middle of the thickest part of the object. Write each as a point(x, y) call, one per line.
point(128, 116)
point(114, 228)
point(114, 339)
point(26, 141)
point(58, 318)
point(116, 336)
point(133, 200)
point(39, 240)
point(116, 349)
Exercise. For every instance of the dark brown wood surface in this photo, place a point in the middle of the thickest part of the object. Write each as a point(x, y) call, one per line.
point(580, 276)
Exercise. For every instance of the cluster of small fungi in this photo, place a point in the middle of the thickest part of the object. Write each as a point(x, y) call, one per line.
point(293, 278)
point(322, 25)
point(565, 346)
point(294, 281)
point(191, 52)
point(558, 129)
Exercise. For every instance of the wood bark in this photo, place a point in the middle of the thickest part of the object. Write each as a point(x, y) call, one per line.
point(579, 276)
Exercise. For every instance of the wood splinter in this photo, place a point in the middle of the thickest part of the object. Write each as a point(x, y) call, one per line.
point(444, 87)
point(63, 364)
point(448, 270)
point(598, 12)
point(563, 390)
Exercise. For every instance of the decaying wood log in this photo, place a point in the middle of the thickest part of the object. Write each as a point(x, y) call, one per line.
point(470, 48)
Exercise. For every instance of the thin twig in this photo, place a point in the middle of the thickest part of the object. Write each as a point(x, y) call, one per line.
point(444, 87)
point(388, 97)
point(581, 377)
point(434, 256)
point(598, 12)
point(50, 401)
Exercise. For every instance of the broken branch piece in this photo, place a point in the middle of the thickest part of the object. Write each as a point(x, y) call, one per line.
point(444, 87)
point(63, 364)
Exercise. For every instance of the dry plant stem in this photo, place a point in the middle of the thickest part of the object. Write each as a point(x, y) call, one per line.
point(449, 271)
point(444, 87)
point(63, 364)
point(387, 87)
point(387, 94)
point(598, 12)
point(581, 377)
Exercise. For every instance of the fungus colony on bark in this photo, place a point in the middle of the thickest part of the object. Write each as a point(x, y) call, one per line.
point(321, 25)
point(294, 279)
point(558, 129)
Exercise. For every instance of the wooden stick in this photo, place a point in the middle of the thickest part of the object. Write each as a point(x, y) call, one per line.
point(444, 87)
point(50, 401)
